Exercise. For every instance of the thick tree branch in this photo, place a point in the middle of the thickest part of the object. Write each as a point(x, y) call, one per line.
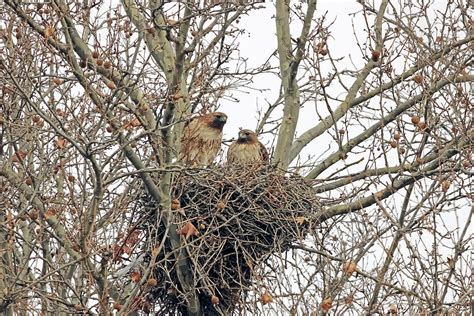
point(449, 151)
point(291, 108)
point(336, 156)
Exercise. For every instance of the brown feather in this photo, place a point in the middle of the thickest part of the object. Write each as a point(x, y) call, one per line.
point(201, 141)
point(247, 149)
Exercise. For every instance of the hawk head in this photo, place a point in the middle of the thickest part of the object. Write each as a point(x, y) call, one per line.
point(216, 119)
point(247, 136)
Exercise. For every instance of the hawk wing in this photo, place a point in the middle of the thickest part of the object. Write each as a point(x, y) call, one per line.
point(264, 153)
point(247, 153)
point(231, 153)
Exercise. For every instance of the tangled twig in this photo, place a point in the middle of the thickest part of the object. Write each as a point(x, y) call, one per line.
point(231, 220)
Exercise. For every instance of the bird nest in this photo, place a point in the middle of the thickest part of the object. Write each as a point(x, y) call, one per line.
point(231, 220)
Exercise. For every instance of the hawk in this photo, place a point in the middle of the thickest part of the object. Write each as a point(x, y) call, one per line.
point(201, 140)
point(247, 149)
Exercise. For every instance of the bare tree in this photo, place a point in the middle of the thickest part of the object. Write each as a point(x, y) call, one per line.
point(97, 217)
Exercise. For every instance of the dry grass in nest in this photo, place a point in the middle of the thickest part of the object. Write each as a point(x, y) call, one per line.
point(242, 216)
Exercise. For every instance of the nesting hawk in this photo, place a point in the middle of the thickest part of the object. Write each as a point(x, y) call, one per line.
point(247, 149)
point(202, 137)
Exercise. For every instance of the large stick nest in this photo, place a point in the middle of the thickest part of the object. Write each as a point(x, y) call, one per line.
point(242, 216)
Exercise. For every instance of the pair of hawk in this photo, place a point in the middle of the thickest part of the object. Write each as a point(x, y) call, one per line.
point(202, 137)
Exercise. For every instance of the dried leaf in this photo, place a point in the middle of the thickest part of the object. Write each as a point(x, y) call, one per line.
point(19, 156)
point(393, 309)
point(136, 276)
point(61, 143)
point(135, 122)
point(266, 298)
point(127, 249)
point(326, 304)
point(300, 220)
point(175, 204)
point(49, 213)
point(188, 230)
point(445, 185)
point(133, 237)
point(451, 263)
point(48, 31)
point(350, 267)
point(152, 282)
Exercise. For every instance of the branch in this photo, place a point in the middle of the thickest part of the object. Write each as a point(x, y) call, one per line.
point(290, 88)
point(349, 103)
point(344, 107)
point(159, 46)
point(362, 175)
point(58, 229)
point(449, 151)
point(336, 156)
point(173, 66)
point(81, 49)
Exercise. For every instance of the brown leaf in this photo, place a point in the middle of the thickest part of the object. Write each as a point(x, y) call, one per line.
point(133, 238)
point(117, 250)
point(375, 55)
point(445, 185)
point(175, 204)
point(117, 306)
point(136, 276)
point(152, 282)
point(300, 220)
point(266, 298)
point(127, 249)
point(61, 143)
point(111, 85)
point(49, 213)
point(415, 119)
point(326, 304)
point(135, 122)
point(188, 230)
point(393, 309)
point(48, 31)
point(19, 156)
point(451, 263)
point(350, 267)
